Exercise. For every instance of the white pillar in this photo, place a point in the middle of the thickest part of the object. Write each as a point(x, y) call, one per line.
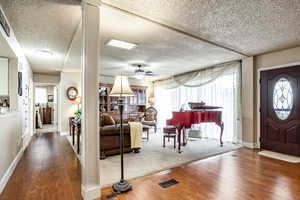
point(90, 120)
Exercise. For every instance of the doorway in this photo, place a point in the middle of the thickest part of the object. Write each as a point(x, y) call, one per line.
point(45, 108)
point(280, 110)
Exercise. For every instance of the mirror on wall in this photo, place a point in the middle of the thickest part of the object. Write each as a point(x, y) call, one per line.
point(4, 77)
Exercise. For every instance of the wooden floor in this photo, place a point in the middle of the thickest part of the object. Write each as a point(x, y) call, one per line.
point(49, 169)
point(238, 175)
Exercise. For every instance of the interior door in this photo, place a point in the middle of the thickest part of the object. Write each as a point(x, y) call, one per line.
point(280, 110)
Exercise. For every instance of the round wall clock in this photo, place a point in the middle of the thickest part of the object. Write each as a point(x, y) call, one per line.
point(72, 93)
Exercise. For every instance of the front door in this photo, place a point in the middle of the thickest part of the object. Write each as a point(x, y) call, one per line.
point(280, 110)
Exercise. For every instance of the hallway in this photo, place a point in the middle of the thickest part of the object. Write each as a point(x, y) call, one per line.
point(49, 169)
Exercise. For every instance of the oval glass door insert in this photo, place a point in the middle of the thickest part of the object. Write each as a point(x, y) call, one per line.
point(283, 98)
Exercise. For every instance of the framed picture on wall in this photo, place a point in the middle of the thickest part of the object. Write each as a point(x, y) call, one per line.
point(50, 98)
point(20, 92)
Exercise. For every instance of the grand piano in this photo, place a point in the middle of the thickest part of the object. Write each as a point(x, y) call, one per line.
point(184, 119)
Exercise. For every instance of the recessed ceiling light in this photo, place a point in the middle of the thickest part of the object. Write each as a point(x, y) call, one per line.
point(121, 44)
point(44, 52)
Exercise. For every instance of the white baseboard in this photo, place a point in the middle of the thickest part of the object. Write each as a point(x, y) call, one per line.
point(250, 145)
point(64, 133)
point(26, 140)
point(10, 170)
point(91, 193)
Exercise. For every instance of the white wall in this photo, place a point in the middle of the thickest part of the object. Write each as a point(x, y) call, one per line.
point(13, 84)
point(67, 107)
point(47, 79)
point(11, 144)
point(16, 127)
point(247, 100)
point(4, 76)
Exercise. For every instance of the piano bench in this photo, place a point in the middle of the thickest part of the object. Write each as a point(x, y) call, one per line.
point(169, 132)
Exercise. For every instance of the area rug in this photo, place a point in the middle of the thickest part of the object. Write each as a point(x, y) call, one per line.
point(154, 158)
point(280, 156)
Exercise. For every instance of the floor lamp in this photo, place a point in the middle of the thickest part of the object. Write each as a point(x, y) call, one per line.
point(121, 89)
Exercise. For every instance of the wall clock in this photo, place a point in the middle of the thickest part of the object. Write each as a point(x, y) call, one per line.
point(72, 93)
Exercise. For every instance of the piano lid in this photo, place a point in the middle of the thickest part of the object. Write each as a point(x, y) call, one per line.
point(204, 107)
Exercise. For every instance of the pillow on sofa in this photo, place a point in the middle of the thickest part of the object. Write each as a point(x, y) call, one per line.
point(106, 120)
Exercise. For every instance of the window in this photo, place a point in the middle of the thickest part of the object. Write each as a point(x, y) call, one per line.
point(282, 98)
point(40, 95)
point(224, 92)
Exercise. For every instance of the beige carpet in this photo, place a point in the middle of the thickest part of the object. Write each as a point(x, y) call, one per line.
point(280, 156)
point(154, 158)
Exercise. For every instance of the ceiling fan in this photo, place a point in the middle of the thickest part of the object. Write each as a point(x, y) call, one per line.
point(139, 73)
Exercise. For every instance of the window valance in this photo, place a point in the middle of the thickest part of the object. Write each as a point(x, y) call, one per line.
point(198, 78)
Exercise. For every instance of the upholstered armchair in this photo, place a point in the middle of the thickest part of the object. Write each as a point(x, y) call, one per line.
point(150, 118)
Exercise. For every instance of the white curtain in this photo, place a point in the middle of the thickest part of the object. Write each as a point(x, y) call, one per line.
point(198, 78)
point(223, 90)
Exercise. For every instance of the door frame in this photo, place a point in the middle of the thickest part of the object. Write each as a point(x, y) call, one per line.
point(57, 107)
point(258, 99)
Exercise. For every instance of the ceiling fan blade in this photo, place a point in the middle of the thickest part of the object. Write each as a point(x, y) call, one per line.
point(150, 73)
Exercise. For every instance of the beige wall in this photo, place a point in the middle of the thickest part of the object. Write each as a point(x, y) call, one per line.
point(67, 107)
point(274, 59)
point(277, 59)
point(250, 87)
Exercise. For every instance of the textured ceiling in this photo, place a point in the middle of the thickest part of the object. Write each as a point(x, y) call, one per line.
point(43, 24)
point(165, 51)
point(251, 27)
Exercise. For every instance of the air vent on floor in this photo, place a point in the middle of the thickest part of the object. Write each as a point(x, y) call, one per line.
point(168, 183)
point(110, 196)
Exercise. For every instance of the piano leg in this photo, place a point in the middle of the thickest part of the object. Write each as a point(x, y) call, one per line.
point(179, 130)
point(221, 135)
point(183, 136)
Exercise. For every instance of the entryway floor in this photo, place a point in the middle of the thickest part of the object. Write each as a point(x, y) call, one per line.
point(47, 128)
point(49, 169)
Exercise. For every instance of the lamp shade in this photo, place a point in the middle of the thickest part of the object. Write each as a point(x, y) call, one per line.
point(151, 100)
point(121, 87)
point(78, 100)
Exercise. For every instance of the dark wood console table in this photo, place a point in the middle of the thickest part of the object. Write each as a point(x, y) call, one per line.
point(76, 130)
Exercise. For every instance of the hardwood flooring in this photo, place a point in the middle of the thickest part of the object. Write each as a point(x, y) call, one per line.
point(237, 175)
point(49, 169)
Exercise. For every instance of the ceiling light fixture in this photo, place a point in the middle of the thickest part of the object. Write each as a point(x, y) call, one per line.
point(139, 75)
point(44, 52)
point(121, 44)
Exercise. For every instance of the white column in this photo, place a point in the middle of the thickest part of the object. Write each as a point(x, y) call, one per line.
point(90, 119)
point(248, 106)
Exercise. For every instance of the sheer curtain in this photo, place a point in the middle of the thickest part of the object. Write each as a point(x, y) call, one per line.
point(223, 91)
